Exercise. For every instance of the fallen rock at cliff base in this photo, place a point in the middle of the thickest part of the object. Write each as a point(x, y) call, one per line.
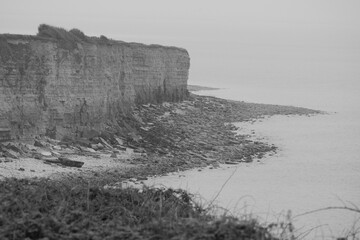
point(17, 147)
point(86, 149)
point(119, 141)
point(120, 147)
point(38, 143)
point(105, 143)
point(97, 146)
point(44, 153)
point(198, 136)
point(11, 154)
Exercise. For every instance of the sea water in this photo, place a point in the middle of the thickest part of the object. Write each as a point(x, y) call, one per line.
point(317, 165)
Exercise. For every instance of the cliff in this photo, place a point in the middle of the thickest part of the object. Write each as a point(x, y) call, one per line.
point(61, 82)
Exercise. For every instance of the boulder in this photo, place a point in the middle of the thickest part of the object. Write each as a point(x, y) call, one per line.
point(105, 143)
point(44, 153)
point(122, 148)
point(86, 149)
point(14, 147)
point(119, 141)
point(39, 143)
point(11, 154)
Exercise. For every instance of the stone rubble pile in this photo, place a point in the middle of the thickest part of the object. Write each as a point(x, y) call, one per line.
point(196, 133)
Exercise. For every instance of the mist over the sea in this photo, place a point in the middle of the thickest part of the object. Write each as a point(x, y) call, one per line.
point(287, 46)
point(303, 53)
point(318, 162)
point(321, 78)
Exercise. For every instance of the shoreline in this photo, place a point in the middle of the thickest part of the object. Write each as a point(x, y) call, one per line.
point(193, 134)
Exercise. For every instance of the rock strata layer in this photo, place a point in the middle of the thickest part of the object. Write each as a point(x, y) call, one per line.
point(56, 86)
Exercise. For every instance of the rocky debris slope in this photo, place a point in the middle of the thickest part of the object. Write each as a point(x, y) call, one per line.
point(199, 132)
point(162, 138)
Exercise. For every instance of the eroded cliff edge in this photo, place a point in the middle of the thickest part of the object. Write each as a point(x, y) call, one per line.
point(63, 82)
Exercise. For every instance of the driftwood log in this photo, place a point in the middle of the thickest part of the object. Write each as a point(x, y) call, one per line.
point(66, 162)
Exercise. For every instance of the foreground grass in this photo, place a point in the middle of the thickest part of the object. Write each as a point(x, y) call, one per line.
point(49, 209)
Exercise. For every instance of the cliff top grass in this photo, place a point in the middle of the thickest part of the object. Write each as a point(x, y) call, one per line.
point(69, 39)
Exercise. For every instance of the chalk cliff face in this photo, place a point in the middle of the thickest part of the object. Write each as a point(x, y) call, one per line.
point(47, 87)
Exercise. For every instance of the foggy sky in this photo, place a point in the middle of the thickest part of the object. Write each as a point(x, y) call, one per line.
point(223, 37)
